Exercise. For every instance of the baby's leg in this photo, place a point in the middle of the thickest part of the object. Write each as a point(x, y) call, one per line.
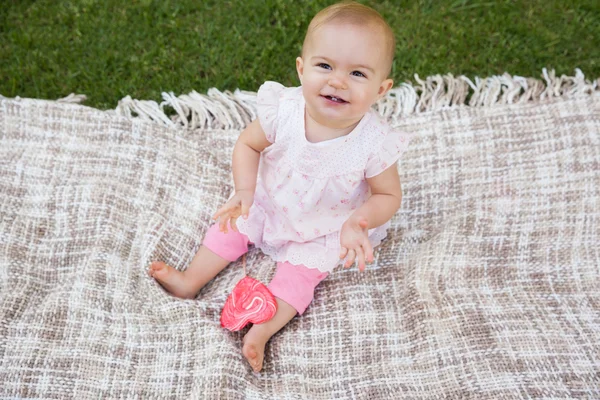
point(186, 284)
point(216, 252)
point(293, 286)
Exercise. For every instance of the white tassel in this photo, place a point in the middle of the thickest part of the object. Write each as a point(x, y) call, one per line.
point(73, 99)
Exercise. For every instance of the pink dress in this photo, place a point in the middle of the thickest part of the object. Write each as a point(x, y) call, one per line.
point(305, 191)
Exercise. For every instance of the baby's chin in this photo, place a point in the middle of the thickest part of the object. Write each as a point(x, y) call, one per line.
point(337, 121)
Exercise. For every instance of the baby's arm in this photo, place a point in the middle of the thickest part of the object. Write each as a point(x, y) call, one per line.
point(385, 200)
point(386, 197)
point(246, 155)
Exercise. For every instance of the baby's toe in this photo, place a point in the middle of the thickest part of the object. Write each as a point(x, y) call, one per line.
point(253, 357)
point(157, 265)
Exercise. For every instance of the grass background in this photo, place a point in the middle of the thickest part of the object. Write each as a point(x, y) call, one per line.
point(108, 49)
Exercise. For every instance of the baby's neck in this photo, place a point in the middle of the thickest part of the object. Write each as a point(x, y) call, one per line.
point(317, 132)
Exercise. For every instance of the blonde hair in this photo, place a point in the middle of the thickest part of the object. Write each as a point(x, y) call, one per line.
point(354, 13)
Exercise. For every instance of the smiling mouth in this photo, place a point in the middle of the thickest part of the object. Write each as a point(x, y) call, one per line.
point(335, 99)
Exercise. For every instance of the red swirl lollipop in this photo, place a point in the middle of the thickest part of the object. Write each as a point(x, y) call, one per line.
point(250, 301)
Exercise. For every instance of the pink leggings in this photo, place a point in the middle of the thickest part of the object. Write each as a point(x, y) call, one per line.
point(294, 284)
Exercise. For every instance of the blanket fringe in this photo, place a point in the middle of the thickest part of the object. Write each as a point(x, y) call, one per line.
point(437, 92)
point(234, 110)
point(72, 98)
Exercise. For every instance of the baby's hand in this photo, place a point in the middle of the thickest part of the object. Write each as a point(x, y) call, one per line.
point(238, 205)
point(354, 239)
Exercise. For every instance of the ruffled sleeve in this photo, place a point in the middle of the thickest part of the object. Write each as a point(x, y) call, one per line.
point(393, 145)
point(267, 104)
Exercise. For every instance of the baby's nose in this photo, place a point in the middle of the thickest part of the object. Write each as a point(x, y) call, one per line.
point(337, 83)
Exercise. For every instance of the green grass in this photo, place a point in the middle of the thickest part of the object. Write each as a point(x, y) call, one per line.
point(108, 49)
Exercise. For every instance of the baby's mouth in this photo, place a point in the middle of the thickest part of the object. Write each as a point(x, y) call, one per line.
point(336, 99)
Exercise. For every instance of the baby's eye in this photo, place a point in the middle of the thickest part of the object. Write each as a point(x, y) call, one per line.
point(359, 74)
point(324, 65)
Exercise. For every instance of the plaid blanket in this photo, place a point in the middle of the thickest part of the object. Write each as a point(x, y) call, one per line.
point(486, 287)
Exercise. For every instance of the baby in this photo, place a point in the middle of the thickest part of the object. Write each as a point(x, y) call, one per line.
point(315, 174)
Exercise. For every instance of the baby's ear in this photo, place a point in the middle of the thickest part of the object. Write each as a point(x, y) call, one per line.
point(300, 67)
point(385, 87)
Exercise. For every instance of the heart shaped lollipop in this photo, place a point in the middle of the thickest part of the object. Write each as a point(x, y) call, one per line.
point(250, 301)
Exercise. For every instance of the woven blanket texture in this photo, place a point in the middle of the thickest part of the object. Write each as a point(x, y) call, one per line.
point(486, 287)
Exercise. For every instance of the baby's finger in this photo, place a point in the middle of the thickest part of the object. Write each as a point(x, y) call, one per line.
point(368, 247)
point(360, 256)
point(223, 210)
point(223, 223)
point(245, 210)
point(343, 252)
point(350, 258)
point(232, 223)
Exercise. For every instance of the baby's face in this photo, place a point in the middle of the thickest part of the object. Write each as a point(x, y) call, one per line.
point(343, 72)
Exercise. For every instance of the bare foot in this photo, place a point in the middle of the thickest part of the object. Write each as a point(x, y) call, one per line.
point(172, 280)
point(254, 349)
